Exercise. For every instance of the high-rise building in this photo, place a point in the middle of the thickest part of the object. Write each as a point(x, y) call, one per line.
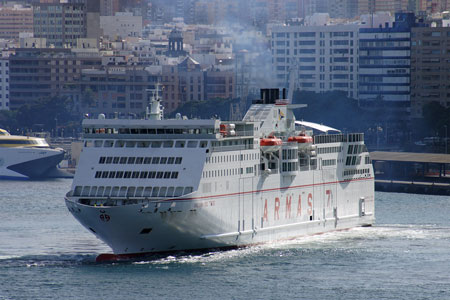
point(41, 73)
point(384, 64)
point(15, 20)
point(430, 68)
point(4, 83)
point(62, 23)
point(319, 58)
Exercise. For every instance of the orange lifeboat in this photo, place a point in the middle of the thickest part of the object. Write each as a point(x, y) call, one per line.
point(270, 144)
point(301, 139)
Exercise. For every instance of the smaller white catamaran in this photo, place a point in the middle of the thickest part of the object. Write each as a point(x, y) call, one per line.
point(24, 157)
point(160, 185)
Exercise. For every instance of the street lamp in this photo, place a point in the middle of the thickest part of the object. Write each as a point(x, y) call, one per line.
point(446, 142)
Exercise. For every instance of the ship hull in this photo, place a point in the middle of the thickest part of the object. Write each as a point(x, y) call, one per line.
point(257, 210)
point(28, 163)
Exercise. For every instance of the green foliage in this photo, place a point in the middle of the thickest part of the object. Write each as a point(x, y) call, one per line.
point(44, 114)
point(435, 117)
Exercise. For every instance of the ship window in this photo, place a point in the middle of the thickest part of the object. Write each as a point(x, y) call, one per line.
point(155, 191)
point(174, 175)
point(123, 160)
point(130, 144)
point(86, 191)
point(160, 131)
point(131, 191)
point(354, 160)
point(108, 144)
point(179, 144)
point(163, 160)
point(119, 144)
point(143, 144)
point(139, 191)
point(116, 160)
point(134, 131)
point(115, 191)
point(192, 144)
point(178, 191)
point(155, 160)
point(112, 174)
point(151, 131)
point(100, 191)
point(124, 131)
point(350, 149)
point(98, 143)
point(178, 160)
point(107, 191)
point(93, 191)
point(135, 174)
point(131, 160)
point(144, 174)
point(108, 160)
point(171, 160)
point(166, 175)
point(170, 191)
point(156, 144)
point(98, 174)
point(188, 190)
point(162, 191)
point(102, 160)
point(123, 191)
point(119, 174)
point(127, 174)
point(147, 160)
point(148, 191)
point(159, 174)
point(152, 174)
point(168, 144)
point(105, 174)
point(139, 160)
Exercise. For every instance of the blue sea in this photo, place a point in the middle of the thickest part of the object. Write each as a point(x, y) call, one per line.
point(46, 254)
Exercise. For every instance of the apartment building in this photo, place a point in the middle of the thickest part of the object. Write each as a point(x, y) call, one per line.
point(4, 83)
point(384, 64)
point(122, 89)
point(42, 73)
point(14, 20)
point(430, 68)
point(318, 58)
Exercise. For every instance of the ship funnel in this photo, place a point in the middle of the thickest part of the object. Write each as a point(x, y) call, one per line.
point(269, 96)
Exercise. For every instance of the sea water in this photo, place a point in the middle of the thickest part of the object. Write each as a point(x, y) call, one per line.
point(46, 254)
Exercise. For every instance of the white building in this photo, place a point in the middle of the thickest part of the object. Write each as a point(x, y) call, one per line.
point(324, 57)
point(121, 25)
point(4, 83)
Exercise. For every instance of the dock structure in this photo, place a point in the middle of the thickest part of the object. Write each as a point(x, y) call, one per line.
point(422, 173)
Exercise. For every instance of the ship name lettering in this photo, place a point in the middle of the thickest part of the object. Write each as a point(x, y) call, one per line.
point(288, 206)
point(277, 209)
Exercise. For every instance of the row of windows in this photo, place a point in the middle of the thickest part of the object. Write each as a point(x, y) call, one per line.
point(353, 160)
point(232, 157)
point(356, 149)
point(140, 160)
point(289, 166)
point(131, 191)
point(136, 174)
point(328, 162)
point(145, 144)
point(354, 172)
point(326, 150)
point(289, 154)
point(227, 172)
point(88, 130)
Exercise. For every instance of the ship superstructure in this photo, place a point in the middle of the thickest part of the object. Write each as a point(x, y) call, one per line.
point(25, 157)
point(157, 185)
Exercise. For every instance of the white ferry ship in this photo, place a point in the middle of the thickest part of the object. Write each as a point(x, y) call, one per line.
point(24, 157)
point(159, 185)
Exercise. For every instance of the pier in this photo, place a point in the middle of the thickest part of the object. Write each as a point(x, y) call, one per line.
point(420, 173)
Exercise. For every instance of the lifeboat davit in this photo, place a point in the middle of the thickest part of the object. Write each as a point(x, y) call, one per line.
point(270, 144)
